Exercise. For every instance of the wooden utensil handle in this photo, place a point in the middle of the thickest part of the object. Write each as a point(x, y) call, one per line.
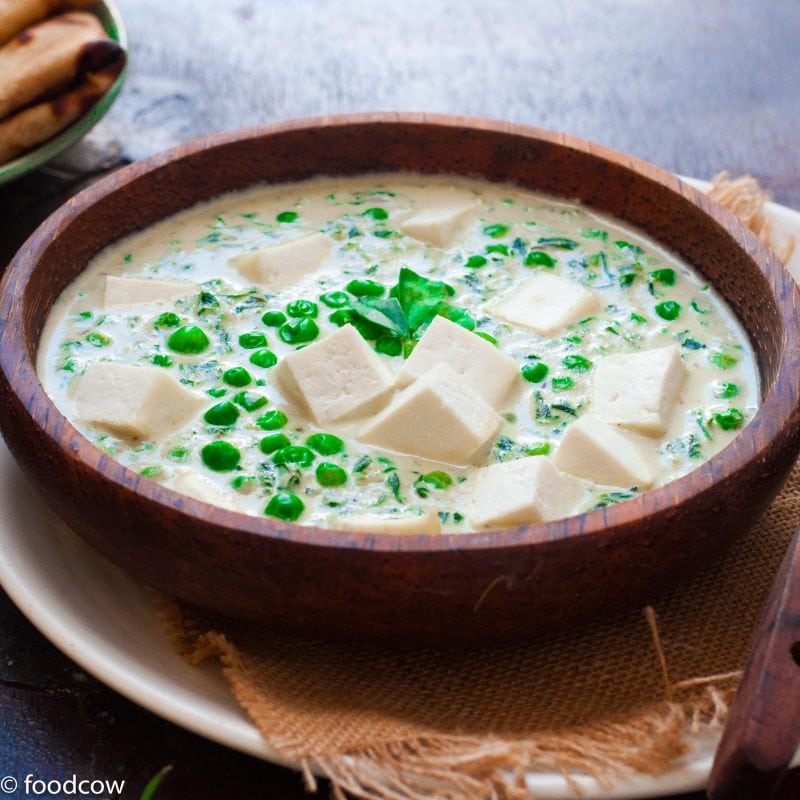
point(763, 728)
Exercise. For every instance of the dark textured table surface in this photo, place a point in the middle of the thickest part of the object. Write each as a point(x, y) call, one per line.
point(693, 87)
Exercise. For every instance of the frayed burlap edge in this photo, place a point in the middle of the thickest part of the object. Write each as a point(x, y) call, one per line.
point(453, 767)
point(745, 197)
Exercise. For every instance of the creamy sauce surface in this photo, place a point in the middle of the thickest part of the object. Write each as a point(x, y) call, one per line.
point(649, 299)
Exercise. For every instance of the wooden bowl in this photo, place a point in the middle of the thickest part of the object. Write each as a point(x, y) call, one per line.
point(440, 589)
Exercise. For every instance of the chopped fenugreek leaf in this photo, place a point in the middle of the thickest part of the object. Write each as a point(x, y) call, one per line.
point(729, 420)
point(722, 360)
point(559, 242)
point(497, 230)
point(577, 363)
point(538, 258)
point(562, 383)
point(726, 390)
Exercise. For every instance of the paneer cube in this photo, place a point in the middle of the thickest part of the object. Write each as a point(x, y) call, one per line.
point(335, 378)
point(545, 303)
point(401, 524)
point(478, 363)
point(142, 403)
point(138, 291)
point(639, 390)
point(281, 265)
point(440, 226)
point(599, 452)
point(188, 482)
point(523, 491)
point(437, 417)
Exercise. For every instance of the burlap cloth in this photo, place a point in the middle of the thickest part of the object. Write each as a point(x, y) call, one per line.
point(618, 696)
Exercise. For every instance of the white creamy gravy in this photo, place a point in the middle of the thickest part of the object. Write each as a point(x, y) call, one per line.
point(195, 246)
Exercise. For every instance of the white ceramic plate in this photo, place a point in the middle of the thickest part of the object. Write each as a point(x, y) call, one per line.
point(103, 620)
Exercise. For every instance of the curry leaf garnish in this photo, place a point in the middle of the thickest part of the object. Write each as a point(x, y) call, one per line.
point(383, 311)
point(411, 306)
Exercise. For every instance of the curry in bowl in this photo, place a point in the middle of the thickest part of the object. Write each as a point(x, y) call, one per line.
point(399, 354)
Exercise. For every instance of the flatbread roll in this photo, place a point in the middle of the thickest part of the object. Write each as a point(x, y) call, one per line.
point(38, 123)
point(16, 15)
point(47, 57)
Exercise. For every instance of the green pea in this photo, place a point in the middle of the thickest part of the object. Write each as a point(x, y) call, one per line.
point(275, 441)
point(217, 391)
point(726, 390)
point(162, 361)
point(273, 318)
point(178, 453)
point(475, 262)
point(221, 456)
point(538, 258)
point(302, 308)
point(237, 376)
point(535, 373)
point(376, 213)
point(577, 363)
point(287, 216)
point(272, 420)
point(285, 506)
point(189, 339)
point(365, 288)
point(304, 330)
point(730, 419)
point(325, 444)
point(168, 319)
point(330, 474)
point(497, 230)
point(294, 454)
point(264, 358)
point(224, 414)
point(668, 310)
point(498, 249)
point(562, 384)
point(250, 401)
point(250, 341)
point(341, 317)
point(335, 299)
point(389, 345)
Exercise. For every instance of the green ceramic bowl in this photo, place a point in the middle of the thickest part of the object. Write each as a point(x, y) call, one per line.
point(109, 15)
